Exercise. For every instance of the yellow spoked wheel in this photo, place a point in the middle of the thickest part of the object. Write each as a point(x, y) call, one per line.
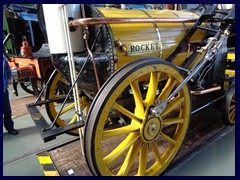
point(228, 107)
point(59, 87)
point(138, 143)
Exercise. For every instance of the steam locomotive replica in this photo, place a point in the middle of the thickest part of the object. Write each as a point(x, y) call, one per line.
point(125, 79)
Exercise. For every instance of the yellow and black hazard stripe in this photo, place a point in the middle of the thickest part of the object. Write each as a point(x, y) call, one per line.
point(48, 167)
point(231, 56)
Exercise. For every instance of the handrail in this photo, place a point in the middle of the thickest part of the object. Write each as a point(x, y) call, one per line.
point(92, 21)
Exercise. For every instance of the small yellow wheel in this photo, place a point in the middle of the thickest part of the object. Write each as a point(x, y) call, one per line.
point(59, 87)
point(136, 142)
point(228, 107)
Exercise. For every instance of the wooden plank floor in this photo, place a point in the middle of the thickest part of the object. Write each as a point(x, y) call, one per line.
point(203, 127)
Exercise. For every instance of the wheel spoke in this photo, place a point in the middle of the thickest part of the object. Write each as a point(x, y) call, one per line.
point(139, 107)
point(57, 96)
point(84, 104)
point(121, 148)
point(73, 119)
point(152, 88)
point(156, 153)
point(129, 160)
point(172, 105)
point(172, 121)
point(233, 118)
point(143, 160)
point(62, 79)
point(167, 138)
point(119, 131)
point(28, 84)
point(231, 107)
point(126, 112)
point(56, 92)
point(64, 110)
point(167, 89)
point(231, 114)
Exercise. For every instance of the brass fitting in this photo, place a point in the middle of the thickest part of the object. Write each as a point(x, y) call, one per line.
point(120, 45)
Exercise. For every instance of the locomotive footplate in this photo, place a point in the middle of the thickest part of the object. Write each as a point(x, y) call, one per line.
point(206, 127)
point(47, 132)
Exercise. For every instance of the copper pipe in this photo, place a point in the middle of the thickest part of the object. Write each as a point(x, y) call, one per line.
point(169, 6)
point(91, 21)
point(94, 64)
point(206, 90)
point(85, 36)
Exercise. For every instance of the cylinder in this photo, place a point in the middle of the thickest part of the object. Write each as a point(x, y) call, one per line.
point(150, 39)
point(55, 28)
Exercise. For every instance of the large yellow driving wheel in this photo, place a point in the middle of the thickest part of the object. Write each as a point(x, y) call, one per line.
point(137, 142)
point(59, 87)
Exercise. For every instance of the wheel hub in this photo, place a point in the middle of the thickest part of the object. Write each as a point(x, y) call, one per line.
point(151, 129)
